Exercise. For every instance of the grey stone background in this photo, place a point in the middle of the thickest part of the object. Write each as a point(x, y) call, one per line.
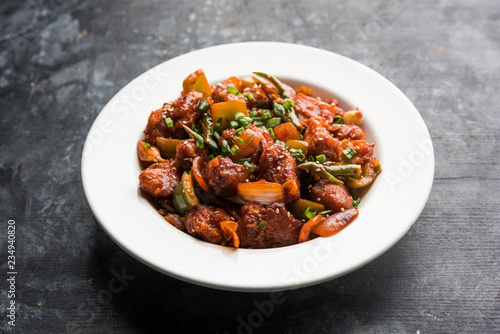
point(61, 61)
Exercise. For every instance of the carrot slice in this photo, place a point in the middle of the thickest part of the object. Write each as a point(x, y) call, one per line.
point(197, 162)
point(229, 228)
point(307, 228)
point(336, 222)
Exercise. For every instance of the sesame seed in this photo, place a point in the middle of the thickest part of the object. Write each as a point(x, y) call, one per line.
point(342, 209)
point(174, 168)
point(164, 116)
point(288, 213)
point(281, 156)
point(216, 211)
point(318, 169)
point(193, 230)
point(318, 199)
point(321, 138)
point(232, 218)
point(278, 168)
point(277, 211)
point(309, 186)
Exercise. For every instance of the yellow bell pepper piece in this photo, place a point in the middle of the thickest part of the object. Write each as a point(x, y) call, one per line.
point(227, 110)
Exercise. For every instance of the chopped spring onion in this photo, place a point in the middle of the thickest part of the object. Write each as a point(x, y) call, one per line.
point(356, 202)
point(217, 125)
point(234, 149)
point(337, 119)
point(213, 145)
point(310, 212)
point(273, 122)
point(216, 135)
point(169, 122)
point(146, 145)
point(225, 147)
point(246, 162)
point(232, 90)
point(266, 114)
point(262, 224)
point(326, 212)
point(233, 124)
point(260, 103)
point(238, 115)
point(248, 165)
point(278, 108)
point(253, 113)
point(310, 158)
point(288, 104)
point(245, 121)
point(298, 155)
point(320, 158)
point(250, 97)
point(240, 130)
point(202, 105)
point(349, 152)
point(279, 142)
point(199, 141)
point(239, 139)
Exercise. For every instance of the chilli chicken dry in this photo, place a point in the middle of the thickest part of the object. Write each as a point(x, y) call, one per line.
point(253, 163)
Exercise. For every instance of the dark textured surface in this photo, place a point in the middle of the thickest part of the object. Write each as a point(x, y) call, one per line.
point(61, 62)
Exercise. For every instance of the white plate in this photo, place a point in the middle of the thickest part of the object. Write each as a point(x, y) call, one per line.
point(110, 170)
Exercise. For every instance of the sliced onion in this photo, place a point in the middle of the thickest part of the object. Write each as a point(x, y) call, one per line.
point(263, 192)
point(251, 141)
point(151, 154)
point(198, 175)
point(292, 191)
point(335, 223)
point(305, 231)
point(229, 228)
